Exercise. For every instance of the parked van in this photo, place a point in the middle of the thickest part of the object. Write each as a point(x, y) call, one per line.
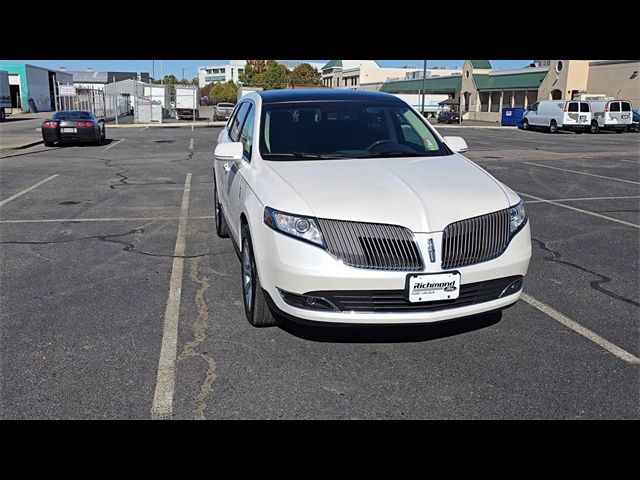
point(555, 115)
point(612, 115)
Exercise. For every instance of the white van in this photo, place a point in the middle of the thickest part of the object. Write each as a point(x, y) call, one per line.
point(555, 115)
point(612, 115)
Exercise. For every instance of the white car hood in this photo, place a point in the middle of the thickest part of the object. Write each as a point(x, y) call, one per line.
point(423, 194)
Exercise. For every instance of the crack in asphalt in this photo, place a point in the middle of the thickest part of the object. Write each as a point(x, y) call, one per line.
point(128, 246)
point(595, 284)
point(182, 159)
point(200, 328)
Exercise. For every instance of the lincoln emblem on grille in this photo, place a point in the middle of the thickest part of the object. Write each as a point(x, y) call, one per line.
point(432, 251)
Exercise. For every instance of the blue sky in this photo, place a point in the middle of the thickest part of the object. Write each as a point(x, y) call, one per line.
point(175, 66)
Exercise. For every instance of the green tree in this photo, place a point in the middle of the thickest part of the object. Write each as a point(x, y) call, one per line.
point(224, 92)
point(195, 81)
point(251, 70)
point(274, 76)
point(167, 80)
point(305, 75)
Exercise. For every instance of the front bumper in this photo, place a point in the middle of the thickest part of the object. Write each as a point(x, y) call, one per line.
point(287, 264)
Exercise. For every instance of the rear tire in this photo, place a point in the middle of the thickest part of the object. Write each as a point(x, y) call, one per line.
point(221, 224)
point(254, 300)
point(48, 144)
point(553, 127)
point(594, 128)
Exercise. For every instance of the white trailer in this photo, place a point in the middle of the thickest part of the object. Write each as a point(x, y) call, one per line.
point(610, 115)
point(5, 94)
point(187, 102)
point(430, 101)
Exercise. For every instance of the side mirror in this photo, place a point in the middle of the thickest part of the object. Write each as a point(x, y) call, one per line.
point(229, 151)
point(457, 144)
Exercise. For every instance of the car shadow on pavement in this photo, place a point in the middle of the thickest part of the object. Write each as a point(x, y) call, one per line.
point(342, 333)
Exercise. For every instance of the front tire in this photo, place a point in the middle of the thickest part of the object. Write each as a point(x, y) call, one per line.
point(256, 308)
point(553, 127)
point(221, 224)
point(525, 124)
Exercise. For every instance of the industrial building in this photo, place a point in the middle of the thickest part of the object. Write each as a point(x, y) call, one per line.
point(482, 92)
point(33, 88)
point(91, 78)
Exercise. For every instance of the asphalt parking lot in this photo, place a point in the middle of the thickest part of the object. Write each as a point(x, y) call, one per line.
point(92, 239)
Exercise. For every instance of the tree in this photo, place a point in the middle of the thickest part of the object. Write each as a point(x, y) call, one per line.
point(223, 92)
point(168, 80)
point(195, 81)
point(305, 75)
point(251, 70)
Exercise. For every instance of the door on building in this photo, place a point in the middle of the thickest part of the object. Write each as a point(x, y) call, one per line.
point(467, 96)
point(556, 94)
point(16, 101)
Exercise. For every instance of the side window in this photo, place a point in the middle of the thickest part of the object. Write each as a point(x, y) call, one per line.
point(584, 107)
point(573, 106)
point(534, 107)
point(238, 120)
point(246, 136)
point(614, 107)
point(626, 106)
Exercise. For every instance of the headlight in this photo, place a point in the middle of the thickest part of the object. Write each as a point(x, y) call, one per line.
point(517, 217)
point(304, 228)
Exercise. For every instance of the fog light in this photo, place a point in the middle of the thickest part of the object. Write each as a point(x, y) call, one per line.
point(513, 287)
point(308, 302)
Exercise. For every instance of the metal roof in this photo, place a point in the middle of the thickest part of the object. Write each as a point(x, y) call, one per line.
point(516, 81)
point(333, 64)
point(448, 84)
point(480, 64)
point(321, 94)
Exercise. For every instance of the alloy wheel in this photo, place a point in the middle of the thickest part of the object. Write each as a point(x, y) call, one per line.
point(247, 276)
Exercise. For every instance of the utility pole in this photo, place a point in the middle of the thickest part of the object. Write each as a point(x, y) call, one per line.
point(161, 77)
point(424, 78)
point(183, 73)
point(153, 70)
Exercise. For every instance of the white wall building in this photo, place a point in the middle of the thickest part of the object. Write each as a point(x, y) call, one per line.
point(359, 74)
point(235, 68)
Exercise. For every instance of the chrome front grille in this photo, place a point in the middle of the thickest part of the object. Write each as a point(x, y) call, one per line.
point(372, 245)
point(475, 240)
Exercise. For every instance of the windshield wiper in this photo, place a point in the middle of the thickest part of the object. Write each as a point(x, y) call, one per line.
point(317, 156)
point(397, 154)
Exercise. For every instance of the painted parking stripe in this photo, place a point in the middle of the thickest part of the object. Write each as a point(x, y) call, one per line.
point(191, 144)
point(162, 407)
point(116, 143)
point(576, 327)
point(583, 173)
point(27, 190)
point(584, 199)
point(107, 219)
point(630, 161)
point(553, 202)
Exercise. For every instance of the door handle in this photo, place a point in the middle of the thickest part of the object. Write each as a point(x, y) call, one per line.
point(226, 167)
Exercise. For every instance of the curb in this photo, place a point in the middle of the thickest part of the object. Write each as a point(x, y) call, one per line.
point(21, 147)
point(167, 125)
point(473, 126)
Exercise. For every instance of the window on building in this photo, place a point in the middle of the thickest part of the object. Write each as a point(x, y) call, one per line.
point(506, 99)
point(483, 98)
point(495, 101)
point(532, 96)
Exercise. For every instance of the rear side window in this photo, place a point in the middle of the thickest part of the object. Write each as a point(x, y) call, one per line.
point(584, 107)
point(614, 107)
point(626, 106)
point(238, 120)
point(573, 107)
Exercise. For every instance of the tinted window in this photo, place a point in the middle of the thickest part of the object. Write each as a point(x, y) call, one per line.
point(584, 107)
point(238, 120)
point(614, 107)
point(351, 129)
point(573, 107)
point(73, 116)
point(246, 136)
point(534, 107)
point(626, 106)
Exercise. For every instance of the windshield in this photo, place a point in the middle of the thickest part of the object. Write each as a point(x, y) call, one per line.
point(333, 129)
point(72, 116)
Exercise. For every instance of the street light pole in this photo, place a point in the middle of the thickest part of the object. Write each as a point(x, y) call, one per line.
point(183, 73)
point(153, 70)
point(424, 78)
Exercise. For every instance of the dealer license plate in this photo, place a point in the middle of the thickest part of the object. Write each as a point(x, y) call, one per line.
point(432, 287)
point(68, 130)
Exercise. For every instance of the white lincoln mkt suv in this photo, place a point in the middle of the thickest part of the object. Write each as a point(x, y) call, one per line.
point(348, 207)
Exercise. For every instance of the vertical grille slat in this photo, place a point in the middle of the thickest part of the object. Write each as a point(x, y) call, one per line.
point(475, 240)
point(372, 245)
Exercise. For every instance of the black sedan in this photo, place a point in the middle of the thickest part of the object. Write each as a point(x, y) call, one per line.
point(73, 126)
point(448, 117)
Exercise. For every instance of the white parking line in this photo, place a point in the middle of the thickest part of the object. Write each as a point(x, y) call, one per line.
point(192, 128)
point(144, 128)
point(191, 144)
point(576, 327)
point(111, 219)
point(162, 407)
point(583, 173)
point(114, 144)
point(553, 202)
point(630, 161)
point(27, 190)
point(583, 198)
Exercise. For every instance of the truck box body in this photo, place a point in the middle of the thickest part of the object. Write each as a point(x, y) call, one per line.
point(5, 93)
